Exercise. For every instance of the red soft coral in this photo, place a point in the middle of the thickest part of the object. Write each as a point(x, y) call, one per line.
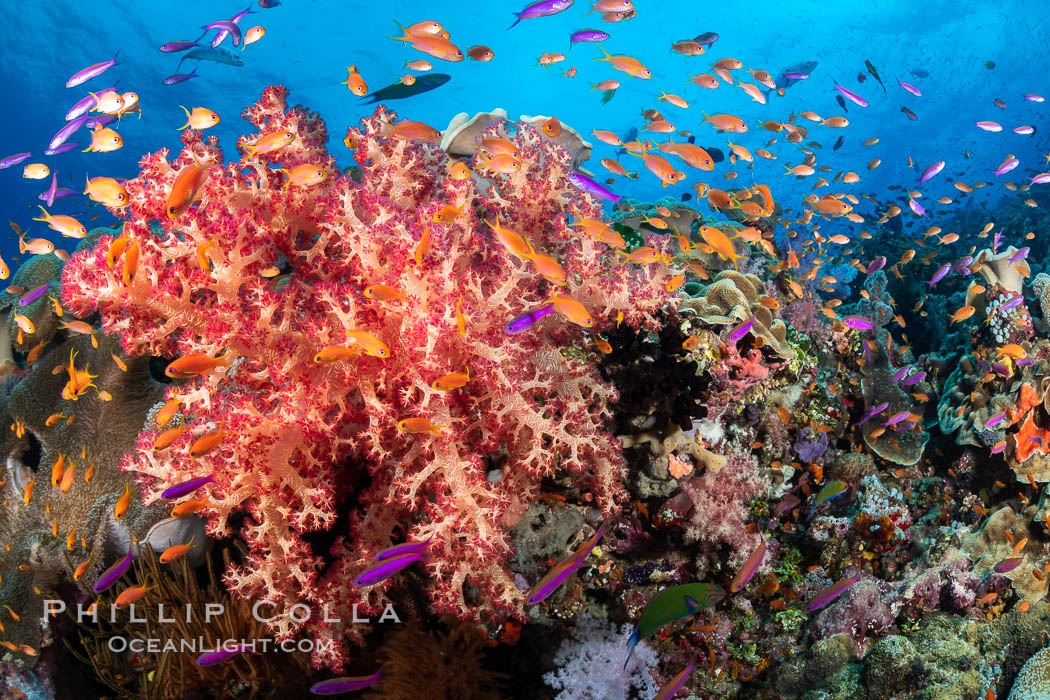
point(309, 441)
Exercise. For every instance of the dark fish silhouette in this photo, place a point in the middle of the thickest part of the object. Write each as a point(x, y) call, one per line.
point(838, 144)
point(707, 39)
point(686, 196)
point(842, 103)
point(874, 74)
point(919, 72)
point(716, 154)
point(399, 91)
point(911, 114)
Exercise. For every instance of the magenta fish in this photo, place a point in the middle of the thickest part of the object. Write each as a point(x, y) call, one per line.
point(181, 489)
point(403, 548)
point(63, 134)
point(858, 323)
point(852, 96)
point(525, 321)
point(61, 149)
point(874, 411)
point(749, 568)
point(995, 420)
point(998, 447)
point(916, 207)
point(900, 373)
point(587, 36)
point(226, 28)
point(910, 88)
point(787, 503)
point(173, 46)
point(566, 567)
point(544, 8)
point(85, 74)
point(59, 192)
point(345, 684)
point(114, 572)
point(989, 126)
point(84, 104)
point(1020, 255)
point(13, 160)
point(180, 77)
point(383, 570)
point(876, 264)
point(1008, 564)
point(1034, 98)
point(741, 329)
point(895, 419)
point(831, 593)
point(586, 184)
point(224, 653)
point(33, 294)
point(669, 690)
point(796, 76)
point(1007, 166)
point(1024, 130)
point(1041, 179)
point(914, 379)
point(931, 171)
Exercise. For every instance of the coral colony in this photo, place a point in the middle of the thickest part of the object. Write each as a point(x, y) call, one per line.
point(465, 421)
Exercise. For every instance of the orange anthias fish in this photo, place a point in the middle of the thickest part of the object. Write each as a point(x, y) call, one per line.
point(406, 130)
point(189, 366)
point(432, 44)
point(628, 64)
point(354, 82)
point(721, 243)
point(184, 189)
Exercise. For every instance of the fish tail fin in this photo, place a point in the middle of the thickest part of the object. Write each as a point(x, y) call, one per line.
point(518, 15)
point(187, 118)
point(594, 6)
point(46, 215)
point(633, 643)
point(607, 56)
point(406, 38)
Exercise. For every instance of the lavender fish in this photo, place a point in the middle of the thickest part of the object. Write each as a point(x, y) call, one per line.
point(877, 264)
point(345, 684)
point(84, 104)
point(741, 329)
point(916, 207)
point(586, 184)
point(1041, 179)
point(226, 28)
point(669, 690)
point(525, 321)
point(945, 268)
point(995, 420)
point(13, 160)
point(66, 131)
point(831, 593)
point(544, 8)
point(1007, 166)
point(797, 76)
point(931, 171)
point(60, 192)
point(383, 570)
point(852, 96)
point(1008, 564)
point(914, 379)
point(85, 74)
point(910, 88)
point(858, 323)
point(787, 503)
point(180, 77)
point(181, 489)
point(210, 658)
point(113, 573)
point(32, 295)
point(749, 568)
point(49, 195)
point(1021, 254)
point(174, 46)
point(900, 373)
point(1024, 130)
point(61, 149)
point(587, 36)
point(100, 120)
point(403, 548)
point(895, 419)
point(565, 568)
point(874, 411)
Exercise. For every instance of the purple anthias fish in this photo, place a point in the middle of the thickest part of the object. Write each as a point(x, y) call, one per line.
point(1013, 303)
point(221, 36)
point(180, 77)
point(345, 684)
point(939, 275)
point(1034, 98)
point(544, 8)
point(66, 131)
point(173, 46)
point(1008, 564)
point(49, 194)
point(181, 489)
point(226, 28)
point(1021, 254)
point(962, 265)
point(796, 76)
point(1041, 179)
point(33, 294)
point(100, 120)
point(1007, 166)
point(85, 74)
point(831, 593)
point(858, 323)
point(995, 420)
point(113, 573)
point(673, 685)
point(84, 104)
point(895, 419)
point(586, 184)
point(565, 568)
point(741, 329)
point(587, 36)
point(381, 571)
point(910, 88)
point(60, 193)
point(872, 412)
point(916, 207)
point(914, 379)
point(1024, 362)
point(787, 503)
point(13, 160)
point(403, 548)
point(749, 568)
point(525, 321)
point(852, 96)
point(900, 373)
point(225, 653)
point(997, 239)
point(267, 4)
point(61, 149)
point(1024, 130)
point(1000, 368)
point(931, 171)
point(998, 447)
point(877, 264)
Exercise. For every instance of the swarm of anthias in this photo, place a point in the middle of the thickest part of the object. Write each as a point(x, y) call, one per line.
point(343, 344)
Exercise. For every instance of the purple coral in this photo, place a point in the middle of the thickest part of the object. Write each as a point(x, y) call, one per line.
point(809, 445)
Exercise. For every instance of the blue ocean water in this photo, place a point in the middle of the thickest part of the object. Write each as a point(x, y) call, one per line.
point(308, 46)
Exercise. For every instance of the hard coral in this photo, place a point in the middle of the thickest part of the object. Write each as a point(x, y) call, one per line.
point(298, 433)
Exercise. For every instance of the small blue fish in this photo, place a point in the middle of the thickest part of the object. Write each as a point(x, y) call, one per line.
point(180, 77)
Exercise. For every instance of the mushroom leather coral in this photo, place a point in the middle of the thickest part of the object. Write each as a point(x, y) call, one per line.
point(306, 442)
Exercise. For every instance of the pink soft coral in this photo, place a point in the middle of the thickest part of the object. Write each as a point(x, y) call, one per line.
point(307, 440)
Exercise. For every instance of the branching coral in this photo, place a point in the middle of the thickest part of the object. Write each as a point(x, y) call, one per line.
point(295, 431)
